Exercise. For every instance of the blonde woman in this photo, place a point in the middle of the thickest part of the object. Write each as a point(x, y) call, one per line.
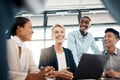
point(57, 56)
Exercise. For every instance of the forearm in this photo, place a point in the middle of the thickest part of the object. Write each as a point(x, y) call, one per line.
point(34, 76)
point(112, 73)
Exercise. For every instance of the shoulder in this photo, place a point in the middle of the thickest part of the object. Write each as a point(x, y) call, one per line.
point(74, 32)
point(67, 50)
point(118, 50)
point(10, 41)
point(47, 49)
point(90, 34)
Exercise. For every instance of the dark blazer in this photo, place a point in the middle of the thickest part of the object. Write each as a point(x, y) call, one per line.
point(48, 58)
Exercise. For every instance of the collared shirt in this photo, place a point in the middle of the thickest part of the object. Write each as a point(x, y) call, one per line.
point(114, 60)
point(80, 44)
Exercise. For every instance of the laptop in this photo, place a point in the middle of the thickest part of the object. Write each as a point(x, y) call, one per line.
point(91, 66)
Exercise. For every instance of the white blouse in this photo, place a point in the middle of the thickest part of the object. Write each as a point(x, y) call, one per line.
point(61, 61)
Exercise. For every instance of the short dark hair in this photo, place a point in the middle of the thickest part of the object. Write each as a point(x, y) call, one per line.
point(86, 17)
point(19, 21)
point(113, 31)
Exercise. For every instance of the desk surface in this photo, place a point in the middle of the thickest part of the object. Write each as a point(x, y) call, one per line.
point(110, 79)
point(101, 79)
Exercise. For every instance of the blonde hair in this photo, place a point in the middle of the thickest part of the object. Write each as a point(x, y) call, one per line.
point(57, 25)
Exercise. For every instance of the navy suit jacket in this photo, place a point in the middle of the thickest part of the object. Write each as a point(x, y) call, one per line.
point(48, 58)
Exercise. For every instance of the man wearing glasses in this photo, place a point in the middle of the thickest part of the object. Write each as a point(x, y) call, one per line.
point(80, 40)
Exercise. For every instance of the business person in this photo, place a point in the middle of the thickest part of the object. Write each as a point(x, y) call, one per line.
point(79, 41)
point(20, 60)
point(112, 68)
point(57, 56)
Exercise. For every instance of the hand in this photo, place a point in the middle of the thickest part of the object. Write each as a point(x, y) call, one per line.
point(64, 74)
point(112, 73)
point(44, 72)
point(47, 72)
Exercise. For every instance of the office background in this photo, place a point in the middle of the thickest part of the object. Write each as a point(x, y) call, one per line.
point(68, 13)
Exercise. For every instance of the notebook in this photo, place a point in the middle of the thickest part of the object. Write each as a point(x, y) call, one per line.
point(91, 66)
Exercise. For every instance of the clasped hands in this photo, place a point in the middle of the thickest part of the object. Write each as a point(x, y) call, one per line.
point(47, 72)
point(50, 72)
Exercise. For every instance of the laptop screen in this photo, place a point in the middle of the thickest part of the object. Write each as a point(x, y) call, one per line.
point(91, 66)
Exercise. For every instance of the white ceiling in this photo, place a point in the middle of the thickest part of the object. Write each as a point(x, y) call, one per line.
point(72, 4)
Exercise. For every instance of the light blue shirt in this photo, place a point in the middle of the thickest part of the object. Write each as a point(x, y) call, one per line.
point(79, 44)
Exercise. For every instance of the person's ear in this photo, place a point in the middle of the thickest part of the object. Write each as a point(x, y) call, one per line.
point(19, 28)
point(118, 39)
